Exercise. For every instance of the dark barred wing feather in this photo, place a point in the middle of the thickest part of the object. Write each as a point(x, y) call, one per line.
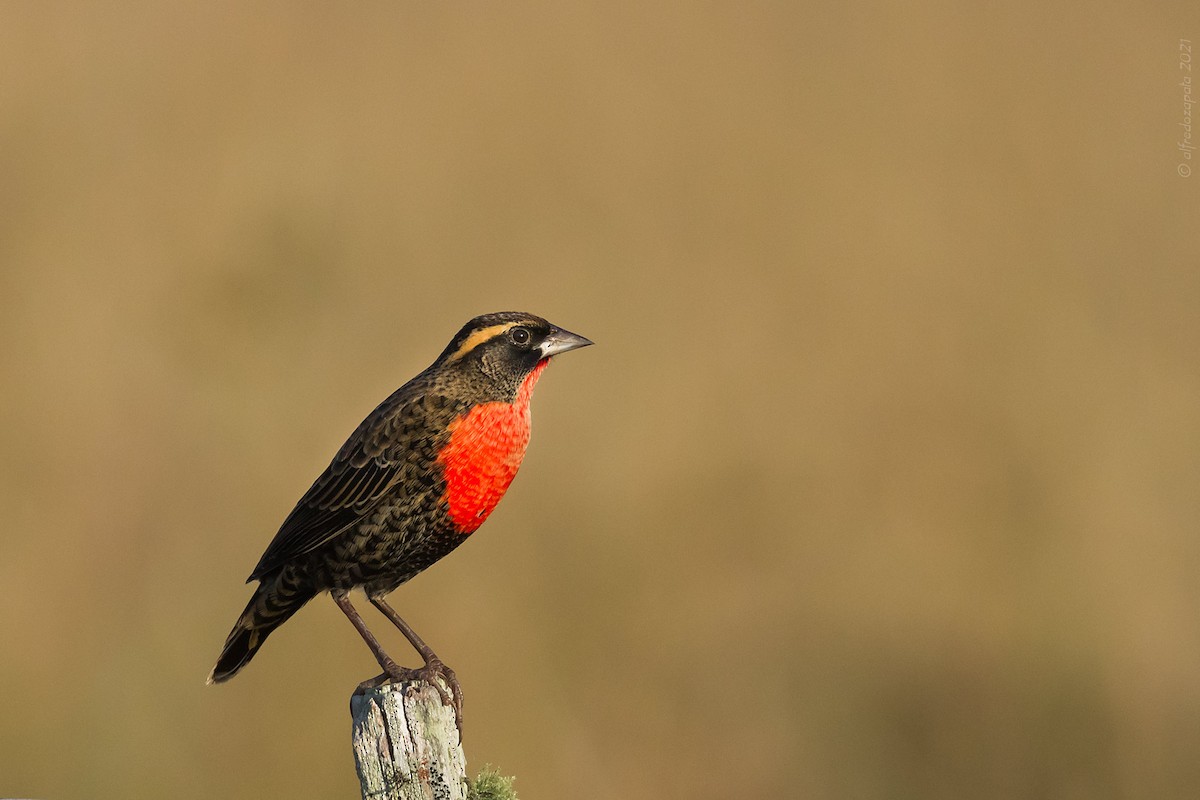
point(393, 442)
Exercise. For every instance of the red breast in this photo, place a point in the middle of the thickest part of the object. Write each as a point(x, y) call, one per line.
point(486, 447)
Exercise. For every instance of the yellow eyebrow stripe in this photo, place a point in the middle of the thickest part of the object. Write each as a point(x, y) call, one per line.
point(479, 337)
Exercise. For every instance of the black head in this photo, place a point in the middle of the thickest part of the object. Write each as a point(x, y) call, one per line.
point(503, 348)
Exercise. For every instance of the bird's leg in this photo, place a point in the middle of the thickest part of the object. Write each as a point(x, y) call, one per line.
point(391, 670)
point(434, 668)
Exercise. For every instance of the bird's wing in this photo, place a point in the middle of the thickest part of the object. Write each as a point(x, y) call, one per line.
point(384, 448)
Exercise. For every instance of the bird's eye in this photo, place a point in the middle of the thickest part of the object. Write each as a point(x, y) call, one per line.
point(520, 336)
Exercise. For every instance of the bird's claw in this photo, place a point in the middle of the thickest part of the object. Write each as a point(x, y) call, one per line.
point(434, 670)
point(434, 673)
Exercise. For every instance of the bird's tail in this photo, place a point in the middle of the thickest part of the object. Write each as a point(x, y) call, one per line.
point(273, 603)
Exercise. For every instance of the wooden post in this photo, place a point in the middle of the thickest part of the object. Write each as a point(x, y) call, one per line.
point(406, 744)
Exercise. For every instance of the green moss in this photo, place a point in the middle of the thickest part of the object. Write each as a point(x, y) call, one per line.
point(491, 785)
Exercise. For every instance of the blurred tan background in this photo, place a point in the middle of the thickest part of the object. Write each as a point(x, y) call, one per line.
point(882, 481)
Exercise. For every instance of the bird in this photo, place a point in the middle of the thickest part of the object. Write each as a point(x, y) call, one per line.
point(415, 479)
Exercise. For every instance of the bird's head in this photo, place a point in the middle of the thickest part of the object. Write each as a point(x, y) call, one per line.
point(502, 349)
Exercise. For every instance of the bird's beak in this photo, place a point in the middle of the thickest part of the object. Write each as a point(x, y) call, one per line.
point(560, 341)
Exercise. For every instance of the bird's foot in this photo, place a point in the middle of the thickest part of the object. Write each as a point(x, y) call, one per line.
point(373, 683)
point(433, 670)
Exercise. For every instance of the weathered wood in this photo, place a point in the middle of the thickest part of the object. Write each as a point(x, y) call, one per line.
point(406, 744)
